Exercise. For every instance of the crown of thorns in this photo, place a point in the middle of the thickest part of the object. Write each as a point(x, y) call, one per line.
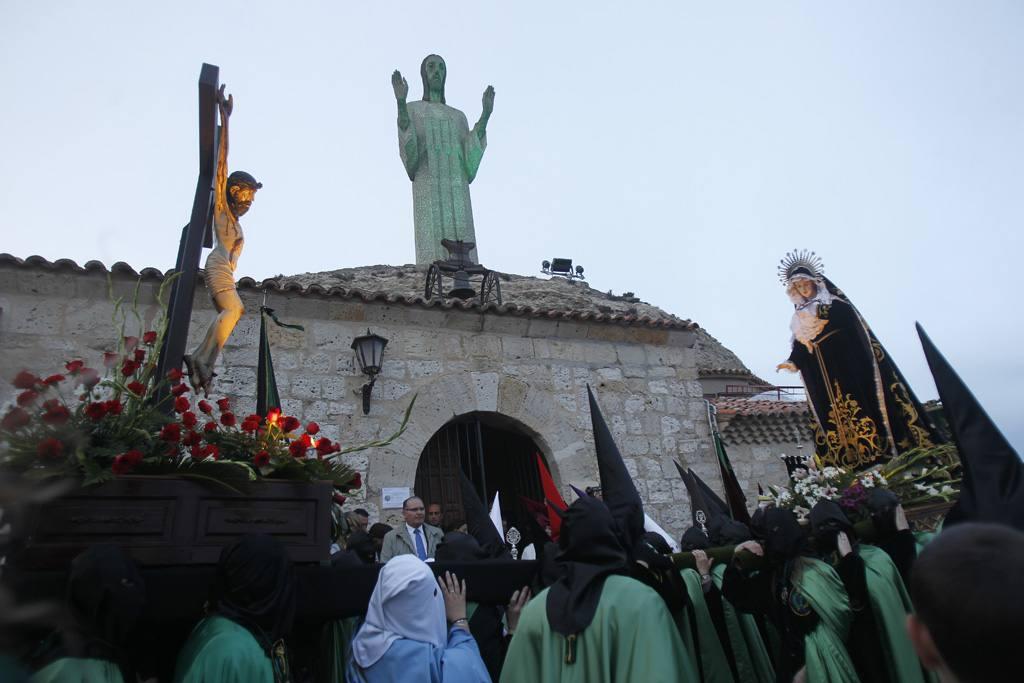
point(800, 262)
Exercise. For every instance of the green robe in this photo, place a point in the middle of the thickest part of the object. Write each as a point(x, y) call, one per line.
point(825, 654)
point(336, 648)
point(78, 670)
point(713, 664)
point(632, 638)
point(748, 647)
point(221, 650)
point(891, 604)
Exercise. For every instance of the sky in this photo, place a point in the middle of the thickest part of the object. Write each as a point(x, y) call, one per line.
point(675, 149)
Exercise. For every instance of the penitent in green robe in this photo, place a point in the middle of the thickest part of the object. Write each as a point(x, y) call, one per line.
point(631, 638)
point(221, 650)
point(890, 604)
point(714, 667)
point(748, 647)
point(78, 670)
point(825, 654)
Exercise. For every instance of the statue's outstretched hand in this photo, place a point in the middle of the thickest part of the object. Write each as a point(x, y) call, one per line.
point(226, 104)
point(488, 99)
point(400, 85)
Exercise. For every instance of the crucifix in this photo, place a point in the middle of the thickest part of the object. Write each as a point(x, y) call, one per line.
point(219, 201)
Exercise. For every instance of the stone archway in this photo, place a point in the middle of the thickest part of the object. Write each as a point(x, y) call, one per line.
point(497, 454)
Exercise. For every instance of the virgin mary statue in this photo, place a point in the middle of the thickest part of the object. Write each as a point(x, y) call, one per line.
point(864, 410)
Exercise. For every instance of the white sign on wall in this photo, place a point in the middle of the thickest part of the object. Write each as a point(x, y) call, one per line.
point(392, 497)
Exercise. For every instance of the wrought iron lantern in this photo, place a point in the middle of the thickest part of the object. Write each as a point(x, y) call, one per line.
point(562, 267)
point(369, 350)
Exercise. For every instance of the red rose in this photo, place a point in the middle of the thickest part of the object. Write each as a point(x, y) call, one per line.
point(149, 338)
point(50, 448)
point(26, 397)
point(171, 432)
point(53, 379)
point(130, 343)
point(73, 366)
point(88, 378)
point(133, 456)
point(181, 404)
point(114, 407)
point(313, 428)
point(212, 451)
point(121, 465)
point(296, 449)
point(179, 389)
point(336, 447)
point(15, 420)
point(192, 439)
point(210, 427)
point(323, 446)
point(110, 359)
point(205, 406)
point(224, 403)
point(273, 415)
point(251, 423)
point(189, 419)
point(196, 452)
point(25, 380)
point(96, 410)
point(136, 387)
point(129, 367)
point(56, 413)
point(290, 424)
point(339, 499)
point(228, 419)
point(174, 375)
point(140, 355)
point(261, 459)
point(357, 481)
point(306, 440)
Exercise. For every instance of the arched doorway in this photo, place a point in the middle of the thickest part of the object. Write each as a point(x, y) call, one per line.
point(496, 454)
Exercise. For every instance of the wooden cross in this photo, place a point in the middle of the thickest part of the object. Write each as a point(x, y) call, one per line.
point(194, 236)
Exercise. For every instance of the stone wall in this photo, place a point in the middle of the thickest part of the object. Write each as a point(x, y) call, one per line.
point(531, 369)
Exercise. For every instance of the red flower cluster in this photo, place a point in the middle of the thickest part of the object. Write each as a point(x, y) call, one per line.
point(261, 459)
point(15, 420)
point(126, 462)
point(171, 432)
point(96, 410)
point(50, 448)
point(251, 424)
point(56, 413)
point(25, 380)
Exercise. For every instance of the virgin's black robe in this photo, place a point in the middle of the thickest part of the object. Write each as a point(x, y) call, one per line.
point(864, 409)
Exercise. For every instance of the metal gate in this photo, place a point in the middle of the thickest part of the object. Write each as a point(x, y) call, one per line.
point(496, 457)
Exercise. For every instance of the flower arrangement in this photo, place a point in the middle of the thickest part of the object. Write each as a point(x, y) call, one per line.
point(918, 477)
point(79, 423)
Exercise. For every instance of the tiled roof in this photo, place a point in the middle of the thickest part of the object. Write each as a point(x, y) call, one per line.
point(283, 285)
point(763, 422)
point(760, 407)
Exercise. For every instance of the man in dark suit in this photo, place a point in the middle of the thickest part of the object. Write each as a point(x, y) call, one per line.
point(414, 537)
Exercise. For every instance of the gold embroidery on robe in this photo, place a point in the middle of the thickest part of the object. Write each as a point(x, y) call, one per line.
point(852, 439)
point(918, 435)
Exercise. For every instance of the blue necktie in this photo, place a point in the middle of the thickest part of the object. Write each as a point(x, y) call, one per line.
point(421, 551)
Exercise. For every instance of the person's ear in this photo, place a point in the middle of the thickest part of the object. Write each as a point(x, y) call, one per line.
point(921, 638)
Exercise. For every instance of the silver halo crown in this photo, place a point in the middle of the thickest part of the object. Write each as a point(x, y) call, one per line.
point(800, 260)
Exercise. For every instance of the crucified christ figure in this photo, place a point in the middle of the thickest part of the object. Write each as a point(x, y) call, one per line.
point(233, 195)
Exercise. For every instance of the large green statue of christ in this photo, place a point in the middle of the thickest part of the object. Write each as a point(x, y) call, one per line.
point(441, 155)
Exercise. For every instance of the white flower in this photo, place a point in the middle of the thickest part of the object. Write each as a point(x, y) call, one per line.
point(933, 491)
point(867, 482)
point(920, 487)
point(947, 489)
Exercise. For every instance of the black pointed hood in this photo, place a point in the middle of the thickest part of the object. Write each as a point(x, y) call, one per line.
point(617, 488)
point(701, 510)
point(478, 522)
point(718, 506)
point(993, 475)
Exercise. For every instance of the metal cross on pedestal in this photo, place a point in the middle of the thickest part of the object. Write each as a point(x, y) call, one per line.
point(194, 236)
